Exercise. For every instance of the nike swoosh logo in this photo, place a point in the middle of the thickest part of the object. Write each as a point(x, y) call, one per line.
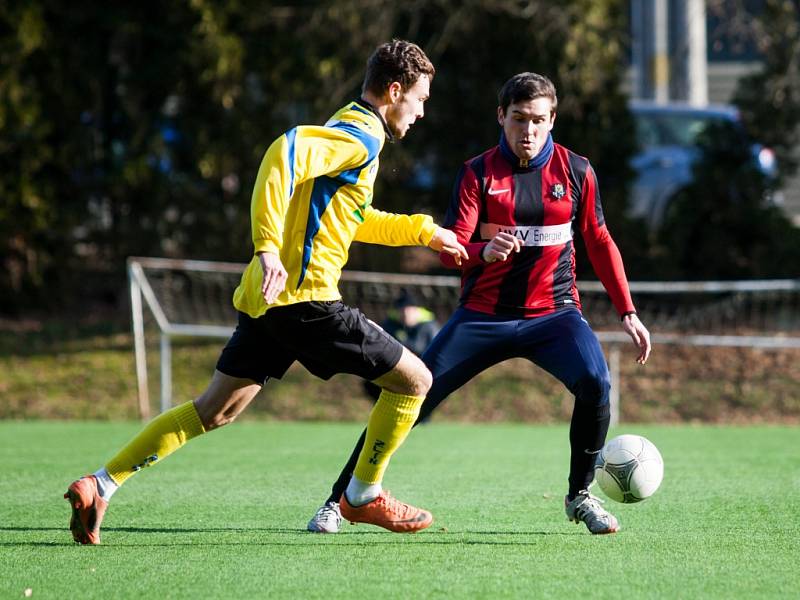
point(494, 192)
point(587, 451)
point(420, 517)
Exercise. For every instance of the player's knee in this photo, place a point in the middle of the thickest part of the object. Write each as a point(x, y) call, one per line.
point(417, 378)
point(417, 382)
point(410, 377)
point(593, 388)
point(423, 383)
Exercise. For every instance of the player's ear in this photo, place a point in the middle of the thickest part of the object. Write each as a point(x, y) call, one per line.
point(395, 91)
point(500, 115)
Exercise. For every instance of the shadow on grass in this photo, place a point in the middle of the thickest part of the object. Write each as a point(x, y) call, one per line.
point(432, 536)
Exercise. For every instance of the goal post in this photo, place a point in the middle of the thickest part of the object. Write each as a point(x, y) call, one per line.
point(170, 323)
point(190, 298)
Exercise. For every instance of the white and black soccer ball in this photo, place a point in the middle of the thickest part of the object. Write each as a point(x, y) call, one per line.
point(629, 468)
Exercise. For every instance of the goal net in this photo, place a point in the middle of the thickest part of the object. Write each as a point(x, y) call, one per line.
point(172, 299)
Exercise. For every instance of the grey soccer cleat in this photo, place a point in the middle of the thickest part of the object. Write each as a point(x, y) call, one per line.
point(587, 508)
point(327, 519)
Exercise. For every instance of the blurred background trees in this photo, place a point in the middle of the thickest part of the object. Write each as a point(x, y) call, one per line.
point(137, 129)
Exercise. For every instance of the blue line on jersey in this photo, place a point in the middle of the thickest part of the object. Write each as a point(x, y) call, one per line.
point(290, 139)
point(372, 144)
point(355, 106)
point(324, 189)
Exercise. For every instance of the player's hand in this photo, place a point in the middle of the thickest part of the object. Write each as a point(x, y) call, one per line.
point(640, 336)
point(445, 240)
point(500, 247)
point(274, 279)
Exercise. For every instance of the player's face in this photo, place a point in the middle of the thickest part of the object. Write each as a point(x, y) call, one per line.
point(526, 125)
point(406, 107)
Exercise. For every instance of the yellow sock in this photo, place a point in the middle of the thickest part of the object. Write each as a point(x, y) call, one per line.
point(389, 423)
point(161, 437)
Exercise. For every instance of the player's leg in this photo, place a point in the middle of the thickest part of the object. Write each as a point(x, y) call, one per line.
point(565, 346)
point(219, 404)
point(328, 337)
point(469, 343)
point(232, 388)
point(391, 420)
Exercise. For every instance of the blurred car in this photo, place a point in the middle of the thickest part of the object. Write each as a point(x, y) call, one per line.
point(667, 137)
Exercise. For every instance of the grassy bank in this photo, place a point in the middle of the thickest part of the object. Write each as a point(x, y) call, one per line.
point(67, 370)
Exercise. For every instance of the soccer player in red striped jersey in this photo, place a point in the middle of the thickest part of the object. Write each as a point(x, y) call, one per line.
point(514, 208)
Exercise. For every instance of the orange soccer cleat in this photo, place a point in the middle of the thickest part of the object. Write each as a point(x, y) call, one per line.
point(88, 509)
point(387, 512)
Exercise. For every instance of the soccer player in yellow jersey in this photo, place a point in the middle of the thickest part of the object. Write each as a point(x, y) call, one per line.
point(312, 199)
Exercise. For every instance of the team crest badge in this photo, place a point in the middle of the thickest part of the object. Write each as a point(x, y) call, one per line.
point(557, 191)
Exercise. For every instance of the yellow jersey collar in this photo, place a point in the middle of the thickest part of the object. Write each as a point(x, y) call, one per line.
point(389, 135)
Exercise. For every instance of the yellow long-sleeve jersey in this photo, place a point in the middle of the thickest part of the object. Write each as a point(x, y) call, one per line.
point(312, 199)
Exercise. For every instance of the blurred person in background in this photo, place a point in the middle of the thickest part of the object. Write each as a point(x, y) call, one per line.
point(312, 199)
point(411, 324)
point(514, 208)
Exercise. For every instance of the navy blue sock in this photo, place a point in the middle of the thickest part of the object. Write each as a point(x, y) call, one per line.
point(587, 434)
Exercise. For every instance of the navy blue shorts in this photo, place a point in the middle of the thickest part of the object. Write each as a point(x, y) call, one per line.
point(561, 343)
point(325, 337)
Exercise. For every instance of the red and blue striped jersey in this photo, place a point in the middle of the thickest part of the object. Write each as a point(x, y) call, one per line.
point(496, 191)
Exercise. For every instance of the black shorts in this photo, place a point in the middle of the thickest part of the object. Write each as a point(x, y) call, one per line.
point(325, 337)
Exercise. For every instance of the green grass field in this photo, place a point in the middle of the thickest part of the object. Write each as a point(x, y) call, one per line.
point(225, 517)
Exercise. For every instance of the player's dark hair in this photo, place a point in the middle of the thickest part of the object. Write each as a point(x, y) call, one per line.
point(526, 86)
point(398, 60)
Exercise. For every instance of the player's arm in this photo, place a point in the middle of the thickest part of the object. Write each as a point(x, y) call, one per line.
point(390, 229)
point(607, 263)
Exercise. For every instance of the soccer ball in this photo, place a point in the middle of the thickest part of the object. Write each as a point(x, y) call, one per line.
point(629, 468)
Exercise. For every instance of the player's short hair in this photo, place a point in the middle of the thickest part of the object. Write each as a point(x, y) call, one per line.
point(398, 60)
point(526, 86)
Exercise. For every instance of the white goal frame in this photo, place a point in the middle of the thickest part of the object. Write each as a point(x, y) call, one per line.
point(142, 294)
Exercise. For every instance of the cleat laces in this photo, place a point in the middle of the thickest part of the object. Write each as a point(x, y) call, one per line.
point(395, 506)
point(330, 512)
point(590, 507)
